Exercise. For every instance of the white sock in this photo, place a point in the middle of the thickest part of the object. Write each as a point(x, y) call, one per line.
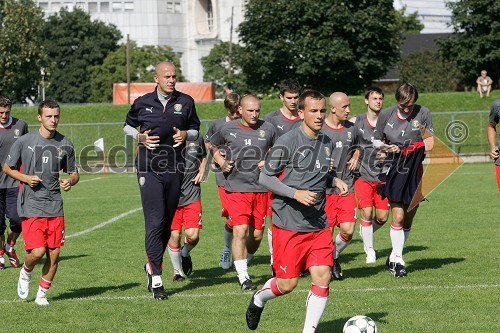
point(175, 258)
point(156, 281)
point(242, 270)
point(186, 249)
point(269, 291)
point(228, 237)
point(43, 288)
point(315, 305)
point(367, 234)
point(340, 245)
point(398, 241)
point(270, 242)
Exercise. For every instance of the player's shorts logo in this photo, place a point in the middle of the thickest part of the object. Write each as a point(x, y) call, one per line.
point(142, 181)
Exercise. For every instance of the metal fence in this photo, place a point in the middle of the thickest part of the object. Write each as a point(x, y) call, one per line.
point(463, 131)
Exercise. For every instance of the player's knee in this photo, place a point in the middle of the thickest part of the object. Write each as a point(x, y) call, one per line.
point(286, 286)
point(38, 253)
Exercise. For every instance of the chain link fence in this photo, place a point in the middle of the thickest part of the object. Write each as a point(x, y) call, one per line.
point(463, 131)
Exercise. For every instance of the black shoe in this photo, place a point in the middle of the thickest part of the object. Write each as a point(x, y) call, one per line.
point(336, 271)
point(248, 285)
point(178, 278)
point(159, 293)
point(399, 271)
point(390, 264)
point(187, 265)
point(150, 278)
point(253, 314)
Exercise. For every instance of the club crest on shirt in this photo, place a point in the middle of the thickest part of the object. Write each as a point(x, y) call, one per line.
point(60, 153)
point(262, 134)
point(349, 136)
point(178, 108)
point(327, 151)
point(17, 133)
point(415, 124)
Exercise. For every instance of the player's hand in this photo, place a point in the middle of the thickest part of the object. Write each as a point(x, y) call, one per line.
point(392, 149)
point(200, 177)
point(149, 141)
point(353, 163)
point(227, 166)
point(33, 181)
point(65, 184)
point(179, 137)
point(261, 164)
point(494, 153)
point(342, 186)
point(305, 197)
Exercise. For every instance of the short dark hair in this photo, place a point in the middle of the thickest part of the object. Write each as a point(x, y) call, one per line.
point(314, 94)
point(373, 89)
point(289, 85)
point(5, 101)
point(406, 92)
point(49, 104)
point(232, 101)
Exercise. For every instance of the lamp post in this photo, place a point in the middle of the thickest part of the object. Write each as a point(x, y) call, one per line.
point(42, 72)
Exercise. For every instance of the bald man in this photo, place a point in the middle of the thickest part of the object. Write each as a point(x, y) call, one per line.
point(341, 205)
point(165, 118)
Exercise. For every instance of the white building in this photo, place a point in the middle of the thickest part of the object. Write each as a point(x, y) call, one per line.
point(193, 27)
point(190, 27)
point(432, 13)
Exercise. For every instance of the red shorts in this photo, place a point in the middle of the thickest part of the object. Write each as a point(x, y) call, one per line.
point(222, 196)
point(43, 232)
point(367, 195)
point(340, 209)
point(294, 252)
point(247, 208)
point(188, 216)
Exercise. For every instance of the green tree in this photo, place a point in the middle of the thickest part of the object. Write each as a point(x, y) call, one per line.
point(114, 68)
point(216, 66)
point(429, 72)
point(74, 43)
point(475, 43)
point(21, 50)
point(330, 44)
point(408, 23)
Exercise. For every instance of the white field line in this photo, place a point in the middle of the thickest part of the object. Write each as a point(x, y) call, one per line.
point(112, 220)
point(90, 180)
point(236, 293)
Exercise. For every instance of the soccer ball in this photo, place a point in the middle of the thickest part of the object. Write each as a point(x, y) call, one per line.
point(360, 324)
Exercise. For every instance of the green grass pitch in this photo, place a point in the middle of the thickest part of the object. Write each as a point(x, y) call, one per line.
point(452, 257)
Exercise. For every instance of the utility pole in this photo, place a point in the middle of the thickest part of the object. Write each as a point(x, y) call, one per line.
point(229, 69)
point(128, 69)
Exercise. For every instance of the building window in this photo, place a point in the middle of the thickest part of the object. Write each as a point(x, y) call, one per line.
point(80, 5)
point(117, 6)
point(105, 7)
point(129, 6)
point(170, 7)
point(210, 16)
point(44, 6)
point(69, 5)
point(93, 7)
point(56, 6)
point(177, 7)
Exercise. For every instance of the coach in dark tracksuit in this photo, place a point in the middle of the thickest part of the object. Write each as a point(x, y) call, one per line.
point(166, 118)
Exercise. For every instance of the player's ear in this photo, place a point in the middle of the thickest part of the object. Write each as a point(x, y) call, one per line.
point(39, 117)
